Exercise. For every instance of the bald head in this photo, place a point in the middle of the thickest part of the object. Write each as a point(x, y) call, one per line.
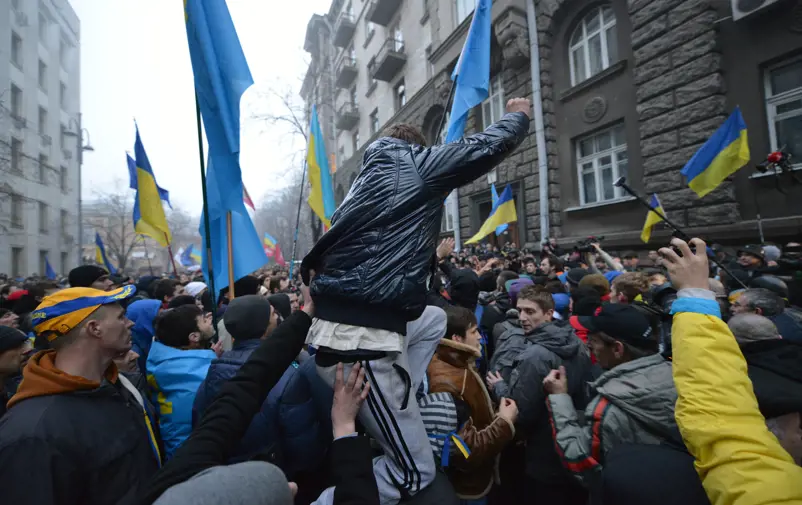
point(749, 328)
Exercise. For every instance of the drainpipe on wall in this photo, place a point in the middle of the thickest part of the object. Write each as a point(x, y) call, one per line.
point(540, 129)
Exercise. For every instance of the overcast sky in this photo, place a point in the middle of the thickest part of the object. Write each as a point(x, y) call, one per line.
point(135, 64)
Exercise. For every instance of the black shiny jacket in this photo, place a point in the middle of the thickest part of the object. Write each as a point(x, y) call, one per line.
point(372, 265)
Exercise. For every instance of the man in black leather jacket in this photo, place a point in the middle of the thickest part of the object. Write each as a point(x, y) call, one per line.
point(372, 270)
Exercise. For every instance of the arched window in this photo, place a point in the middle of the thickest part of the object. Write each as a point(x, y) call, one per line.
point(594, 45)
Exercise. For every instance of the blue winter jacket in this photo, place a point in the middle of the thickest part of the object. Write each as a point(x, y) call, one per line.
point(142, 313)
point(293, 428)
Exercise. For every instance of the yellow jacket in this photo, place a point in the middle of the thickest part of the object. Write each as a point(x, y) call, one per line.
point(739, 461)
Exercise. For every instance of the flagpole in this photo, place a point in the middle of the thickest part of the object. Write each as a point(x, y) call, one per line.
point(170, 252)
point(230, 241)
point(147, 254)
point(298, 219)
point(206, 225)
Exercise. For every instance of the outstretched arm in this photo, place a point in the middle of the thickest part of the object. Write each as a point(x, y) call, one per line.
point(739, 461)
point(449, 166)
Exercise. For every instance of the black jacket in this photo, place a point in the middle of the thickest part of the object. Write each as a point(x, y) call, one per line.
point(775, 369)
point(81, 448)
point(372, 265)
point(547, 348)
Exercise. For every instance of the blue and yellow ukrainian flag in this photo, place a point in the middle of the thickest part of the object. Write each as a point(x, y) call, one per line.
point(494, 197)
point(134, 180)
point(321, 197)
point(652, 218)
point(503, 212)
point(149, 218)
point(270, 240)
point(721, 156)
point(100, 255)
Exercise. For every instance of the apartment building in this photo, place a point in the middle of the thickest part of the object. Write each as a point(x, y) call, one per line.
point(628, 88)
point(39, 102)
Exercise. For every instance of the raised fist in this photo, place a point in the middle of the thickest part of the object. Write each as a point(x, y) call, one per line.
point(520, 105)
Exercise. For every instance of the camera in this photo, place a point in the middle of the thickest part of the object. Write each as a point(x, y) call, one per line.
point(585, 245)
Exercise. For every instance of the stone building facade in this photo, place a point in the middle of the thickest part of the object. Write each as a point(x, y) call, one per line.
point(629, 88)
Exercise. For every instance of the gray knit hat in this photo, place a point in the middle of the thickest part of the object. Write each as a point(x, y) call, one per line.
point(248, 483)
point(247, 317)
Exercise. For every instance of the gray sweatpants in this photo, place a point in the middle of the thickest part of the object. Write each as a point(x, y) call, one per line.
point(390, 414)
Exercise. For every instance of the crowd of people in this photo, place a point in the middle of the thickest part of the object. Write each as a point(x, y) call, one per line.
point(394, 370)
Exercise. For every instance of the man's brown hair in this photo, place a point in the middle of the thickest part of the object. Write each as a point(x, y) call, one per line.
point(538, 295)
point(407, 133)
point(631, 284)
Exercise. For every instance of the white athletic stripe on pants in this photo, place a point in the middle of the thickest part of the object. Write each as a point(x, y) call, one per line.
point(390, 414)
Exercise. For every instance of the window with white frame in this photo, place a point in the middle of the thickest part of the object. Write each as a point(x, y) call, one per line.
point(400, 95)
point(370, 29)
point(374, 121)
point(16, 101)
point(42, 75)
point(464, 9)
point(493, 107)
point(594, 44)
point(42, 260)
point(17, 220)
point(601, 159)
point(16, 156)
point(43, 161)
point(43, 219)
point(447, 222)
point(783, 84)
point(18, 261)
point(16, 50)
point(42, 121)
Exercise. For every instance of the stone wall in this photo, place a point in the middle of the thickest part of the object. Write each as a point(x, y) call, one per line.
point(680, 102)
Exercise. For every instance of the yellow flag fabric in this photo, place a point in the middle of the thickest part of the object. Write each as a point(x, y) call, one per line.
point(503, 212)
point(652, 218)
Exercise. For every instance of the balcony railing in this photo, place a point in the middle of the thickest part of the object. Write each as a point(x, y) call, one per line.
point(347, 116)
point(344, 29)
point(346, 72)
point(388, 61)
point(381, 12)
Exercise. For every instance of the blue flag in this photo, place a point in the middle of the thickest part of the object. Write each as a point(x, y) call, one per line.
point(133, 182)
point(472, 73)
point(249, 255)
point(494, 196)
point(49, 272)
point(174, 376)
point(188, 256)
point(221, 77)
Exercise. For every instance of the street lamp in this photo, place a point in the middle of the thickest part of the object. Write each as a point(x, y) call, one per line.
point(80, 133)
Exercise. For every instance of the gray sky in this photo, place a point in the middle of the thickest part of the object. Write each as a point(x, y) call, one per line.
point(135, 64)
